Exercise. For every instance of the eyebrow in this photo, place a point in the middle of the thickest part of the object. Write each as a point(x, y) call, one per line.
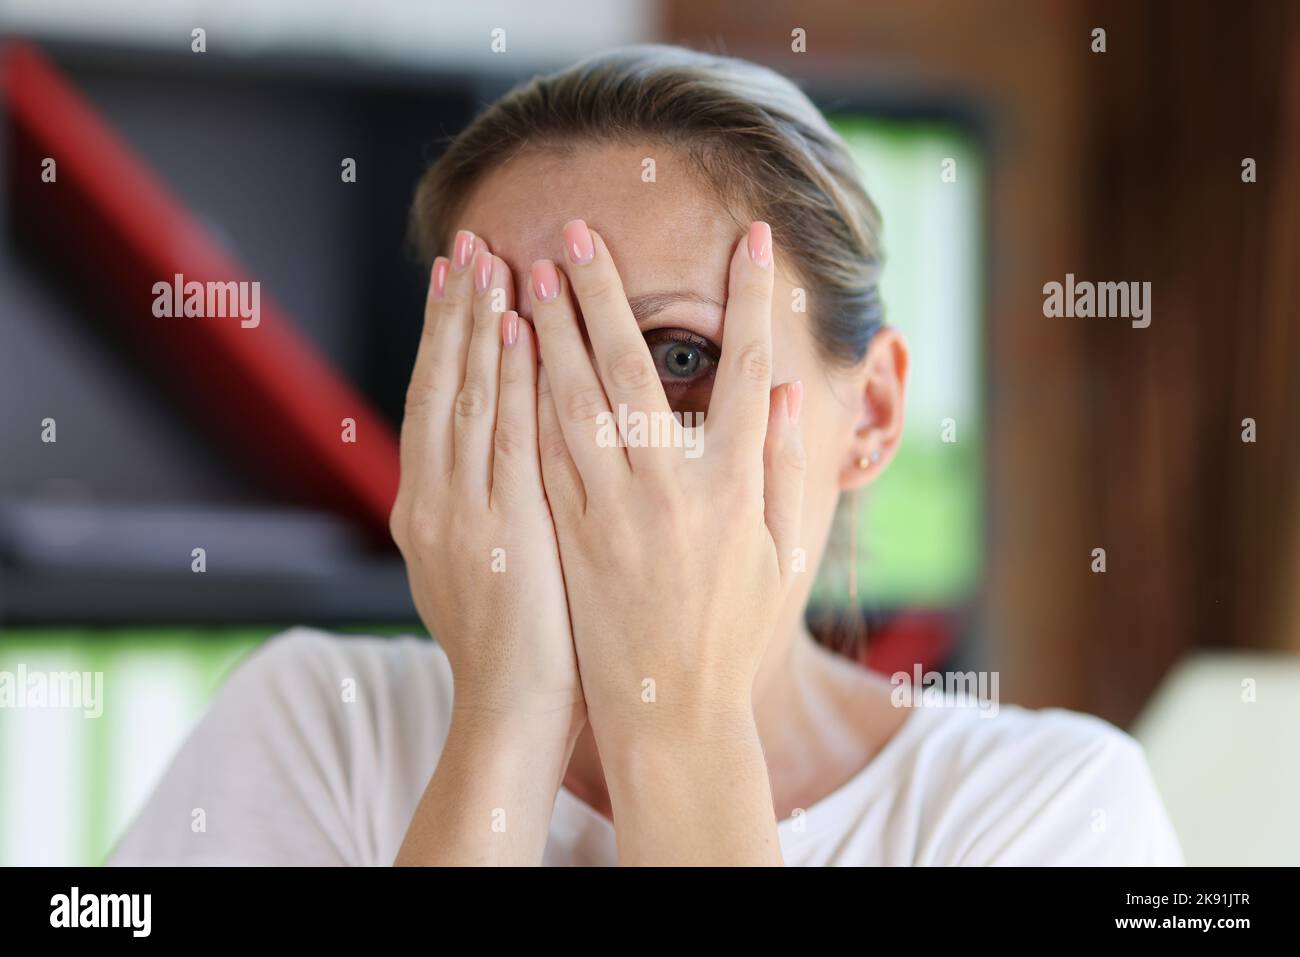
point(647, 306)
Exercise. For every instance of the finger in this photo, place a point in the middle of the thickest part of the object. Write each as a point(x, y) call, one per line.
point(440, 359)
point(623, 361)
point(474, 420)
point(580, 402)
point(783, 474)
point(564, 490)
point(516, 467)
point(739, 406)
point(415, 421)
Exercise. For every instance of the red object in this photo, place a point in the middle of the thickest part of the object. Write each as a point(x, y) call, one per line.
point(117, 228)
point(909, 639)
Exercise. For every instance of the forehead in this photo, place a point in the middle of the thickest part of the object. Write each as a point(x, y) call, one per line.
point(668, 234)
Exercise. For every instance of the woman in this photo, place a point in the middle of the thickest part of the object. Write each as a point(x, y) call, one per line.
point(622, 622)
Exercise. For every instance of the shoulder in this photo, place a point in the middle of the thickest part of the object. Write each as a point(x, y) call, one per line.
point(1033, 787)
point(345, 688)
point(370, 707)
point(342, 667)
point(303, 645)
point(313, 751)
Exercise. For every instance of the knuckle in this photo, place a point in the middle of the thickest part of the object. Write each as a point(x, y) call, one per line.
point(471, 401)
point(423, 389)
point(486, 319)
point(456, 297)
point(787, 455)
point(507, 441)
point(598, 289)
point(794, 457)
point(586, 403)
point(418, 395)
point(549, 317)
point(754, 362)
point(423, 531)
point(397, 523)
point(632, 370)
point(756, 285)
point(513, 374)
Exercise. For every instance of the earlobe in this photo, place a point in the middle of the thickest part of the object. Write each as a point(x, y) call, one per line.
point(862, 470)
point(881, 393)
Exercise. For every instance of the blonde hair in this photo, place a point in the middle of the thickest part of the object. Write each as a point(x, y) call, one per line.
point(754, 137)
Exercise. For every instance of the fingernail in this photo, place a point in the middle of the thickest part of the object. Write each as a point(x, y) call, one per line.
point(510, 328)
point(546, 282)
point(463, 250)
point(760, 244)
point(438, 279)
point(482, 271)
point(794, 400)
point(577, 240)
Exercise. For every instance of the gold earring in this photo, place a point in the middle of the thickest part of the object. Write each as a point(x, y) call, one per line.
point(868, 460)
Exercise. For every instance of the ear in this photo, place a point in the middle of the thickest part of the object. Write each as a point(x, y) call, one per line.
point(880, 394)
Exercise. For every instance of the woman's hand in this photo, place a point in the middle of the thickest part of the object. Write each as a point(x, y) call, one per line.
point(473, 526)
point(675, 567)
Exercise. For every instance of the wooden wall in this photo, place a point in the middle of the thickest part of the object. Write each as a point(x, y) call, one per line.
point(1122, 166)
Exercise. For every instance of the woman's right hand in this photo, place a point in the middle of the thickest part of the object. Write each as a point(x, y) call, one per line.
point(473, 525)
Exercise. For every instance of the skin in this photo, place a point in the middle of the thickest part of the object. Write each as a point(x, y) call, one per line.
point(666, 578)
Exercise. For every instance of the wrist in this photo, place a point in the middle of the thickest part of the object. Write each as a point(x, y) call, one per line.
point(490, 705)
point(659, 742)
point(495, 766)
point(683, 719)
point(520, 728)
point(692, 795)
point(505, 747)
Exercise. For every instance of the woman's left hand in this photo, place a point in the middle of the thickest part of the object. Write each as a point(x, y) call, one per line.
point(675, 567)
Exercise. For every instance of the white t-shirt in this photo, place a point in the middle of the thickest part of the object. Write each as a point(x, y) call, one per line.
point(291, 770)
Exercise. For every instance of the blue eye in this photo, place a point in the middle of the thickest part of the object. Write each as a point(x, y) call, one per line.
point(682, 359)
point(680, 356)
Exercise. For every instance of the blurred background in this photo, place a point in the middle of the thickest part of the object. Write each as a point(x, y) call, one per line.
point(1070, 434)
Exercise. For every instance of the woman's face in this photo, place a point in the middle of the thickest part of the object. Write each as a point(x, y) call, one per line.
point(673, 243)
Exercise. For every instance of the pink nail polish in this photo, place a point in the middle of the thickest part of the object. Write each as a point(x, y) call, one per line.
point(794, 400)
point(463, 250)
point(438, 278)
point(577, 241)
point(509, 328)
point(760, 244)
point(546, 282)
point(482, 271)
